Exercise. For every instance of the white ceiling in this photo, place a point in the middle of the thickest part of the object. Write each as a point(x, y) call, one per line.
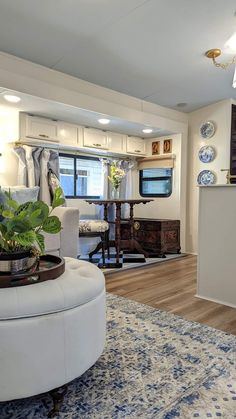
point(150, 49)
point(55, 110)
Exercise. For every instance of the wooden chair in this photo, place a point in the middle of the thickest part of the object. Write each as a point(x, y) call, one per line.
point(95, 228)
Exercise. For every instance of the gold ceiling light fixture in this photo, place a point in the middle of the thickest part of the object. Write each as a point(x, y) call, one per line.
point(215, 53)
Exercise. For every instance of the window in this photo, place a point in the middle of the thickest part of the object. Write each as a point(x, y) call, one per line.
point(80, 176)
point(155, 182)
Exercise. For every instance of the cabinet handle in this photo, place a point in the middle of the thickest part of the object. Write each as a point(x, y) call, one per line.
point(137, 151)
point(97, 145)
point(44, 135)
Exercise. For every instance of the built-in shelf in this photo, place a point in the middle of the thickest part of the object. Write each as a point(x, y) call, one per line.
point(159, 157)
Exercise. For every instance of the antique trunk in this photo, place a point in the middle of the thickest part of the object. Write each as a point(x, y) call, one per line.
point(155, 236)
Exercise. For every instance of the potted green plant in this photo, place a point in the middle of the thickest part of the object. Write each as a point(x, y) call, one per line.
point(21, 231)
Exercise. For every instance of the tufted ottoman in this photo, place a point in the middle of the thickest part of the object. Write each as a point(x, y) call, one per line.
point(51, 332)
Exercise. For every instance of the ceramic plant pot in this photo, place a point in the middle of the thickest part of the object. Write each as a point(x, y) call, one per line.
point(16, 262)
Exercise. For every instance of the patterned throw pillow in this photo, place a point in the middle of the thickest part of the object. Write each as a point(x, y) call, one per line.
point(21, 194)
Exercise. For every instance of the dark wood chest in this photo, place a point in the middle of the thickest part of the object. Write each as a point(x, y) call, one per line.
point(155, 236)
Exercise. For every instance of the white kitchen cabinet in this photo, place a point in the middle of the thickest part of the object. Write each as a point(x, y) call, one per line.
point(116, 142)
point(95, 138)
point(68, 134)
point(39, 128)
point(136, 145)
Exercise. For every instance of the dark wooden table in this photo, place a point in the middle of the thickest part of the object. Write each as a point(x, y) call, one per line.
point(118, 243)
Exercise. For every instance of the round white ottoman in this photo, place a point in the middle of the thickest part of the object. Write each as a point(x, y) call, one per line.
point(51, 332)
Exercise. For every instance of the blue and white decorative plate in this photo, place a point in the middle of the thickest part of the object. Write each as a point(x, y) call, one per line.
point(206, 177)
point(206, 154)
point(207, 129)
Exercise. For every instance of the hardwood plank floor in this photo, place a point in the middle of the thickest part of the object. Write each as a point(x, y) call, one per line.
point(171, 286)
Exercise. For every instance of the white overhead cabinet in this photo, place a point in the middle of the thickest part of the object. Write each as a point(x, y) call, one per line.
point(136, 145)
point(77, 137)
point(95, 138)
point(68, 134)
point(38, 128)
point(116, 142)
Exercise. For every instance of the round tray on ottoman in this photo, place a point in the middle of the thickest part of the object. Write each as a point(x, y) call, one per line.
point(51, 332)
point(48, 267)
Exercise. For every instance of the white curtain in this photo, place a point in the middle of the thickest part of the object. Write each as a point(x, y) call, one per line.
point(22, 170)
point(34, 166)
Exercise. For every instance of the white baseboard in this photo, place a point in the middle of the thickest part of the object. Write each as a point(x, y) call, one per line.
point(216, 301)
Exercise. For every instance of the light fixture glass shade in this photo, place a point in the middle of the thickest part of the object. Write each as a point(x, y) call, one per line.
point(231, 43)
point(234, 80)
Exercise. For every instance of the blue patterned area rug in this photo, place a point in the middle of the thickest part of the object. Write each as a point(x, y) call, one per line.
point(155, 365)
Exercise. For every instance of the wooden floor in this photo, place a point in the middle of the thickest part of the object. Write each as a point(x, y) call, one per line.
point(171, 286)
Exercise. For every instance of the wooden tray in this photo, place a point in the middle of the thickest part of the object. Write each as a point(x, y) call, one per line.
point(48, 267)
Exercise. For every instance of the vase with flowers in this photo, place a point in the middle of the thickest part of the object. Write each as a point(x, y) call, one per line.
point(117, 174)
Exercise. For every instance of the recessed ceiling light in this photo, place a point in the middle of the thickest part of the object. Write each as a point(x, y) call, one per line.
point(104, 121)
point(147, 130)
point(12, 98)
point(181, 104)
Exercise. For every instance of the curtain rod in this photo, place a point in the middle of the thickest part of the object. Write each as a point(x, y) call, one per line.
point(73, 150)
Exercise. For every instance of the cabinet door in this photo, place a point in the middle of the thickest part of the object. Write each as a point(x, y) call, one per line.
point(67, 134)
point(116, 142)
point(95, 138)
point(136, 145)
point(41, 128)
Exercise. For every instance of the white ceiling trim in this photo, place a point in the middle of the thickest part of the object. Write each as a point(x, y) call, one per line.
point(29, 78)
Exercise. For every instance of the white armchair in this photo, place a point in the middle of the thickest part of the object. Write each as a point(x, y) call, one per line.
point(64, 243)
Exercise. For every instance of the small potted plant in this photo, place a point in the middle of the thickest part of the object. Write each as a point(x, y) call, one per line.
point(21, 231)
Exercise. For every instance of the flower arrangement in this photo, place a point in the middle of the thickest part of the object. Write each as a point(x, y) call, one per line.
point(117, 174)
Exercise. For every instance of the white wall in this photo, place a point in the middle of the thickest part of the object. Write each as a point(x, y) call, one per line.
point(9, 131)
point(162, 207)
point(220, 114)
point(165, 207)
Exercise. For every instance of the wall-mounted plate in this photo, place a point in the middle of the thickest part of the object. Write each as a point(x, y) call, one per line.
point(207, 129)
point(206, 154)
point(206, 177)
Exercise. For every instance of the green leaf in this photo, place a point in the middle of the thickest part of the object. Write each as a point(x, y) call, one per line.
point(8, 214)
point(23, 207)
point(52, 225)
point(58, 198)
point(58, 192)
point(3, 244)
point(18, 226)
point(8, 194)
point(3, 228)
point(12, 204)
point(26, 239)
point(36, 218)
point(40, 241)
point(57, 202)
point(40, 205)
point(21, 215)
